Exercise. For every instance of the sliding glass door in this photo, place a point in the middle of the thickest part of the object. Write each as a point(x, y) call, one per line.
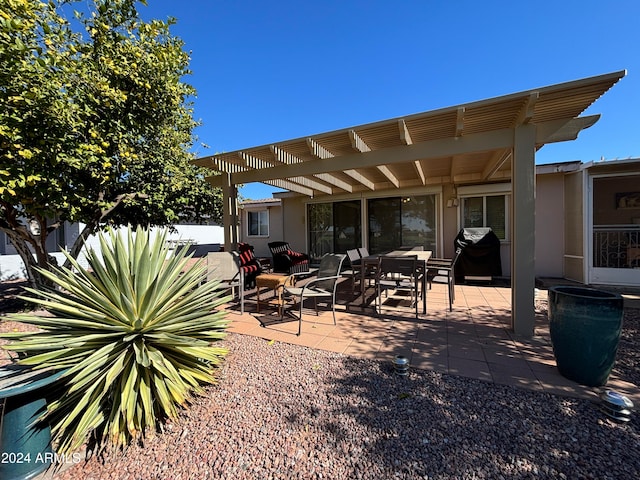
point(396, 222)
point(334, 227)
point(393, 222)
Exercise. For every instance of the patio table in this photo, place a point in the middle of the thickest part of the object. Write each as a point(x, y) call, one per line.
point(372, 260)
point(273, 281)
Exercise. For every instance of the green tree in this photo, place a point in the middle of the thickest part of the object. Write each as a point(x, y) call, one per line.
point(96, 125)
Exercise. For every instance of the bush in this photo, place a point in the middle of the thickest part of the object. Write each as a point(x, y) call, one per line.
point(133, 333)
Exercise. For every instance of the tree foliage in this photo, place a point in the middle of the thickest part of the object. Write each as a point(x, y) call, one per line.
point(96, 124)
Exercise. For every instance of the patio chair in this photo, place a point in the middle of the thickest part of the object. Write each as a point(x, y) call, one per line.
point(286, 260)
point(442, 270)
point(251, 267)
point(355, 256)
point(225, 268)
point(355, 266)
point(321, 286)
point(398, 273)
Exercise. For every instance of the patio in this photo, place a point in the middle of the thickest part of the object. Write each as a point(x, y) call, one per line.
point(474, 340)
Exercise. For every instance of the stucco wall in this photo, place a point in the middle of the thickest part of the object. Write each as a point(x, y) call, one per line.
point(295, 227)
point(450, 224)
point(574, 226)
point(549, 225)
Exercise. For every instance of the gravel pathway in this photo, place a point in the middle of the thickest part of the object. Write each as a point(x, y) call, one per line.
point(287, 412)
point(282, 411)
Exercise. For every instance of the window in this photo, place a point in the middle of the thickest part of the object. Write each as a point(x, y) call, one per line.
point(402, 221)
point(486, 211)
point(258, 223)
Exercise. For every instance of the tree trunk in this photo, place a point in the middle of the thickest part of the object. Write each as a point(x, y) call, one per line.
point(31, 261)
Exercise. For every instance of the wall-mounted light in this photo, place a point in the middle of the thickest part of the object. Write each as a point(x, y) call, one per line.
point(453, 199)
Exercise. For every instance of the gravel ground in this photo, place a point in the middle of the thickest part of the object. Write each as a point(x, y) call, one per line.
point(281, 411)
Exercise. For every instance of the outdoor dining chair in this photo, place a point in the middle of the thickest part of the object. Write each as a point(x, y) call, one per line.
point(323, 285)
point(355, 265)
point(398, 273)
point(441, 270)
point(225, 268)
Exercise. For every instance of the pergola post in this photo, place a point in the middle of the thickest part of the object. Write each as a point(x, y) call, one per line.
point(523, 231)
point(230, 213)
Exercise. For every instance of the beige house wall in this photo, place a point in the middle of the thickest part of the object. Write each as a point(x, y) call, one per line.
point(450, 224)
point(549, 225)
point(574, 204)
point(295, 223)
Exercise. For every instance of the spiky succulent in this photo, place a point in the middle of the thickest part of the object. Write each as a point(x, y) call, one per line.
point(134, 334)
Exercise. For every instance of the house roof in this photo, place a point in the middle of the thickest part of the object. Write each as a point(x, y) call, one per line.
point(465, 144)
point(262, 202)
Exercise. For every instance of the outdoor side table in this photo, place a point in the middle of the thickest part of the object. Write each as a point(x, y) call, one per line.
point(25, 443)
point(275, 282)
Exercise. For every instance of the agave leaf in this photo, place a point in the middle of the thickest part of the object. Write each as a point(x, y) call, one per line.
point(117, 367)
point(128, 396)
point(146, 397)
point(142, 358)
point(172, 340)
point(177, 391)
point(84, 407)
point(165, 399)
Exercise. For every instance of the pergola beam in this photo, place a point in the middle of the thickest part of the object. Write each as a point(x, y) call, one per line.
point(420, 171)
point(389, 175)
point(360, 178)
point(497, 139)
point(318, 150)
point(497, 160)
point(405, 136)
point(287, 158)
point(527, 112)
point(460, 121)
point(357, 143)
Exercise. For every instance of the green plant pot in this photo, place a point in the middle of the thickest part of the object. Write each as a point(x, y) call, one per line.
point(25, 442)
point(585, 326)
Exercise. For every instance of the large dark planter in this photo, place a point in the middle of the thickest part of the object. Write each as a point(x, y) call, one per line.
point(585, 326)
point(25, 442)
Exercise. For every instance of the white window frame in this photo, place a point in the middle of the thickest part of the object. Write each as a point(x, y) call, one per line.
point(485, 191)
point(258, 212)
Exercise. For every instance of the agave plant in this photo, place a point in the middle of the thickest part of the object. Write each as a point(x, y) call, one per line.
point(134, 334)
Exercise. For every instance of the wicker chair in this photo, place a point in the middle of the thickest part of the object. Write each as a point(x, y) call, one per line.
point(286, 260)
point(249, 263)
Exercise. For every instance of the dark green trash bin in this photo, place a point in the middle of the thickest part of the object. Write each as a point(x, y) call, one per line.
point(585, 325)
point(25, 443)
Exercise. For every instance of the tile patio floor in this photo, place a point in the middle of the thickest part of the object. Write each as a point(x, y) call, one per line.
point(474, 340)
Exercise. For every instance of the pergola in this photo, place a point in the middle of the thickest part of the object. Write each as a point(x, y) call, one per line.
point(480, 142)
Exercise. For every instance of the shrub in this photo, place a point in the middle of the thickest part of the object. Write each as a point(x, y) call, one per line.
point(133, 333)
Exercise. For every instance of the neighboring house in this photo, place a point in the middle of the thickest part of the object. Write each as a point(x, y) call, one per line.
point(203, 238)
point(587, 221)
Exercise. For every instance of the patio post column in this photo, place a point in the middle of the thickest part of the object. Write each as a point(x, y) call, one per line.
point(230, 214)
point(523, 231)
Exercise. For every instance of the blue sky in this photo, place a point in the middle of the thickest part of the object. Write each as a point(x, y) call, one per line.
point(272, 71)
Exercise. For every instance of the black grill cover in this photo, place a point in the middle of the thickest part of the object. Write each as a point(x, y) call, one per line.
point(480, 253)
